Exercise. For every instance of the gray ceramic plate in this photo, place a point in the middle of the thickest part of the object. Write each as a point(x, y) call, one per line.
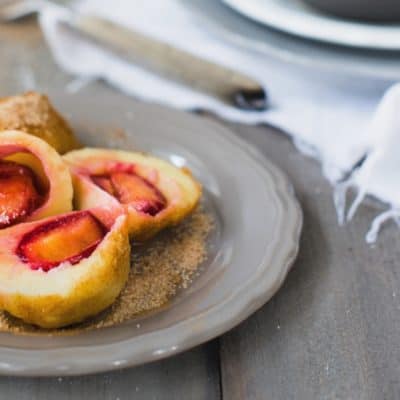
point(297, 18)
point(222, 21)
point(251, 251)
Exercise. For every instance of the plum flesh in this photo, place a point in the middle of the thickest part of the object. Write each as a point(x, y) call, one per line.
point(69, 238)
point(130, 188)
point(20, 193)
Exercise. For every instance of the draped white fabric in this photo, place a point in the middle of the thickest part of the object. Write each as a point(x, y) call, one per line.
point(336, 119)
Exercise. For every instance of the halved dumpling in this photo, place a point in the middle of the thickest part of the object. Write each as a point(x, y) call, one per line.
point(33, 113)
point(34, 181)
point(63, 269)
point(153, 193)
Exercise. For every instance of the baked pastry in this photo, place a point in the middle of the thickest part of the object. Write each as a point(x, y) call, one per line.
point(34, 180)
point(63, 269)
point(153, 193)
point(33, 113)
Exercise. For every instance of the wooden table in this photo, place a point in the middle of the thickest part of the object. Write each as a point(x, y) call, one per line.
point(332, 331)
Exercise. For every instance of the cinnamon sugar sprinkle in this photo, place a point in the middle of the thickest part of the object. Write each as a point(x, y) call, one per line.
point(159, 269)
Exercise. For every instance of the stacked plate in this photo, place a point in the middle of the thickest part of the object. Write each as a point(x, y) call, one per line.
point(293, 31)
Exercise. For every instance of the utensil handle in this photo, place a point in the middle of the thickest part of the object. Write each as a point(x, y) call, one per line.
point(175, 64)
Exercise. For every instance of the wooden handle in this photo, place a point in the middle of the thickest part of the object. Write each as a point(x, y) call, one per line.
point(175, 64)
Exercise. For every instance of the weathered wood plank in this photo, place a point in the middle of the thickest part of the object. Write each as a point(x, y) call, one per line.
point(333, 331)
point(192, 375)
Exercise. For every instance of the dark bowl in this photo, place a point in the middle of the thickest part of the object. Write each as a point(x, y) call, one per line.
point(366, 10)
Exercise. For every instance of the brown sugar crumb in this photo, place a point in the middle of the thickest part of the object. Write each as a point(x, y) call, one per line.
point(33, 113)
point(119, 134)
point(159, 269)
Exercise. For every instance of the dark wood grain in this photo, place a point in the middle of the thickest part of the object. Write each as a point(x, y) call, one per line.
point(192, 376)
point(333, 330)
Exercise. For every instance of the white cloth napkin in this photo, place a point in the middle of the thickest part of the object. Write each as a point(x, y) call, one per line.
point(329, 117)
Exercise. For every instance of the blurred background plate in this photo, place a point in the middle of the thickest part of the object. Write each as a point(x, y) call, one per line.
point(297, 18)
point(367, 10)
point(224, 23)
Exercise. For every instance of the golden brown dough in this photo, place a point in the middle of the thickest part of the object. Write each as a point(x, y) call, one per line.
point(33, 113)
point(73, 290)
